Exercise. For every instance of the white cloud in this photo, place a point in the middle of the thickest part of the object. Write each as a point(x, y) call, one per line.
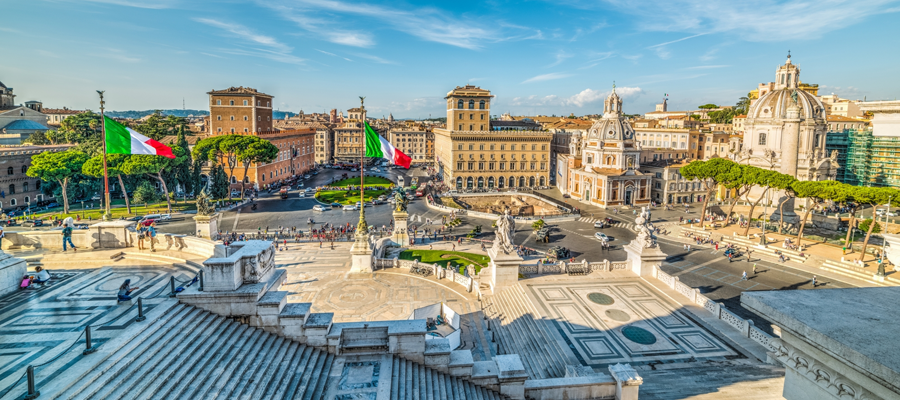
point(588, 96)
point(245, 34)
point(560, 56)
point(376, 59)
point(547, 77)
point(761, 20)
point(151, 4)
point(119, 55)
point(428, 24)
point(584, 98)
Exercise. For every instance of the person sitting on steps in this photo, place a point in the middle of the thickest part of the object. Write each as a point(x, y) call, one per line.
point(125, 291)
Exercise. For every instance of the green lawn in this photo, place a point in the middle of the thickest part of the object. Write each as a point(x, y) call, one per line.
point(443, 257)
point(118, 209)
point(343, 197)
point(370, 181)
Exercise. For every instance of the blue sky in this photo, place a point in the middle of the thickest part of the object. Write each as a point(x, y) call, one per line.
point(537, 57)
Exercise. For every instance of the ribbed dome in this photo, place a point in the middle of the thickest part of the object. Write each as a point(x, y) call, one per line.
point(774, 104)
point(611, 129)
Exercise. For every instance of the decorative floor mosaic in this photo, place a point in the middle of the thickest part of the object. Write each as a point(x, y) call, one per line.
point(607, 322)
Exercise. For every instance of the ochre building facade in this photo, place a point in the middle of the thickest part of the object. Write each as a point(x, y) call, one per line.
point(469, 154)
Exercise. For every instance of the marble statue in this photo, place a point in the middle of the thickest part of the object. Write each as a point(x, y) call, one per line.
point(644, 237)
point(401, 200)
point(203, 205)
point(506, 228)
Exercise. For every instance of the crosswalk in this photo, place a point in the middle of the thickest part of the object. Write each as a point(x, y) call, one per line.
point(617, 224)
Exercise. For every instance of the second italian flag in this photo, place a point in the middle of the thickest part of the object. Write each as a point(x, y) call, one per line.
point(377, 146)
point(121, 139)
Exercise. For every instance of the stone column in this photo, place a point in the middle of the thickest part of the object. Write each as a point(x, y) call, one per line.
point(400, 235)
point(790, 151)
point(207, 225)
point(628, 382)
point(504, 269)
point(12, 270)
point(361, 253)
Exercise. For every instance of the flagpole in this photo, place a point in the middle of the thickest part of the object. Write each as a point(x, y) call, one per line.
point(106, 215)
point(362, 227)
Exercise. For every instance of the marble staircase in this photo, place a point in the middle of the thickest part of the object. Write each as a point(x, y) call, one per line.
point(190, 353)
point(413, 381)
point(522, 331)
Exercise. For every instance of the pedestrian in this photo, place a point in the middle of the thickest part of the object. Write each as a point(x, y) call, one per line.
point(67, 234)
point(744, 276)
point(754, 268)
point(689, 248)
point(454, 246)
point(814, 281)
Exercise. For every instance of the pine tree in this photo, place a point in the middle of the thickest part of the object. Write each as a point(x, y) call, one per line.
point(220, 183)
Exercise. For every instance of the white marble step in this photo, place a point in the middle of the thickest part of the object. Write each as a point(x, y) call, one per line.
point(554, 343)
point(541, 364)
point(413, 381)
point(190, 353)
point(518, 342)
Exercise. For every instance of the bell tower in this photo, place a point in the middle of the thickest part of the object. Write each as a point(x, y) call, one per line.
point(612, 106)
point(787, 75)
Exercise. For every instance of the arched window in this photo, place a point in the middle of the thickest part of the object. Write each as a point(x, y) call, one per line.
point(12, 189)
point(542, 181)
point(491, 182)
point(233, 180)
point(24, 187)
point(469, 182)
point(459, 182)
point(459, 105)
point(500, 182)
point(231, 102)
point(762, 138)
point(521, 181)
point(471, 104)
point(24, 169)
point(9, 171)
point(481, 105)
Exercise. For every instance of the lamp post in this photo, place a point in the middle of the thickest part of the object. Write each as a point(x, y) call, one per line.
point(762, 238)
point(887, 215)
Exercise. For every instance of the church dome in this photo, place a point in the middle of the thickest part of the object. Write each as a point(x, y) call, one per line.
point(774, 105)
point(611, 129)
point(613, 125)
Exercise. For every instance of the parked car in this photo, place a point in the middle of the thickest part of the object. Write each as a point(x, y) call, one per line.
point(96, 197)
point(309, 189)
point(319, 207)
point(32, 223)
point(301, 194)
point(350, 208)
point(601, 236)
point(335, 204)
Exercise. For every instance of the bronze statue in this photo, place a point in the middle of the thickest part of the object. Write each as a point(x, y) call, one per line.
point(203, 205)
point(401, 200)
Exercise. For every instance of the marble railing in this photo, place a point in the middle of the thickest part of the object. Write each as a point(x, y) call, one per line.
point(439, 272)
point(577, 268)
point(744, 326)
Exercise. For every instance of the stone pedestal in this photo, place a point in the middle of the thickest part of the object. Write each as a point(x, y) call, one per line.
point(892, 250)
point(207, 225)
point(641, 259)
point(504, 269)
point(12, 270)
point(400, 235)
point(361, 254)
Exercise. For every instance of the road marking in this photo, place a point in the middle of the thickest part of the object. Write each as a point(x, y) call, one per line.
point(236, 216)
point(696, 267)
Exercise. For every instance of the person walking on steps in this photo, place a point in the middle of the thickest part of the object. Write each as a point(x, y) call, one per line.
point(67, 235)
point(151, 234)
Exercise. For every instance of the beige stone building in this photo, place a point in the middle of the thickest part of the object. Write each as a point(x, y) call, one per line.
point(239, 110)
point(607, 174)
point(470, 154)
point(414, 141)
point(324, 143)
point(347, 137)
point(835, 105)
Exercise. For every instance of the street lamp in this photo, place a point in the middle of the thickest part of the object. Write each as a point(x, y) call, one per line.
point(887, 215)
point(762, 238)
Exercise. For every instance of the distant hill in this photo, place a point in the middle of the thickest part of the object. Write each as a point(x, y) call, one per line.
point(179, 113)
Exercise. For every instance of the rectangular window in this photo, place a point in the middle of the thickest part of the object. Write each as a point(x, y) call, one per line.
point(502, 147)
point(522, 165)
point(512, 147)
point(502, 166)
point(471, 166)
point(459, 166)
point(459, 147)
point(532, 166)
point(543, 166)
point(533, 147)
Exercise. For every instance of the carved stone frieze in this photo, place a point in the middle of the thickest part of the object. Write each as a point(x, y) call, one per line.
point(823, 376)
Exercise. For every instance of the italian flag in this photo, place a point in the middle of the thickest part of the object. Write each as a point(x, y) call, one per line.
point(377, 146)
point(124, 140)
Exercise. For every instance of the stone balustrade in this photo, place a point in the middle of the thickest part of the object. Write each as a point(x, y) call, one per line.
point(102, 235)
point(577, 268)
point(718, 310)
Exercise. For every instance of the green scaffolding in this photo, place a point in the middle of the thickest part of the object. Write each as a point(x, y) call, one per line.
point(870, 160)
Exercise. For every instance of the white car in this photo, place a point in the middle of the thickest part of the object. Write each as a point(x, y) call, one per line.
point(598, 224)
point(319, 207)
point(350, 207)
point(309, 189)
point(601, 236)
point(301, 194)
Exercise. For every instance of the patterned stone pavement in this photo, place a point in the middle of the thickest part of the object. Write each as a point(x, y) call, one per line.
point(321, 277)
point(624, 321)
point(36, 324)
